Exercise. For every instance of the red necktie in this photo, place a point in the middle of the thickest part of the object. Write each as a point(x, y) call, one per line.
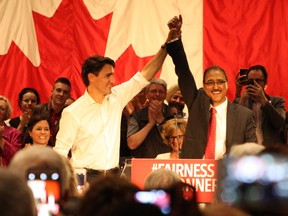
point(210, 147)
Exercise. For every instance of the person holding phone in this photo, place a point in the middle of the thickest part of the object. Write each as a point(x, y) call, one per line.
point(47, 168)
point(269, 111)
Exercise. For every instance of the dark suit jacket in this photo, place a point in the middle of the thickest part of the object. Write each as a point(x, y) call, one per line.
point(240, 124)
point(273, 119)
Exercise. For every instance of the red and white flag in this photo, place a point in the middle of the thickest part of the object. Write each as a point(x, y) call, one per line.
point(43, 40)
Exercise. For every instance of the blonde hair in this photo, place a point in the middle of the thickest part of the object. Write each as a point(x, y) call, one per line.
point(171, 126)
point(8, 108)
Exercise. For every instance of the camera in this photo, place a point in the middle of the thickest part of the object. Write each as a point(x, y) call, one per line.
point(243, 74)
point(243, 71)
point(250, 82)
point(46, 189)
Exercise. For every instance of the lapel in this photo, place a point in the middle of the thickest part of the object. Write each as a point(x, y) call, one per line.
point(250, 106)
point(205, 106)
point(231, 122)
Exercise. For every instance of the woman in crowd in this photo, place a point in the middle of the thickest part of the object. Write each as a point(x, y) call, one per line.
point(10, 138)
point(173, 133)
point(27, 99)
point(38, 131)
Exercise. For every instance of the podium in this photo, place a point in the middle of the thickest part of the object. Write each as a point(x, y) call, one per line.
point(202, 174)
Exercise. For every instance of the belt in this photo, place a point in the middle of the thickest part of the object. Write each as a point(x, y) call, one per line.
point(115, 170)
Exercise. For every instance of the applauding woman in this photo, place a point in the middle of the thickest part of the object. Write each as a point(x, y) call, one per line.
point(27, 99)
point(10, 138)
point(173, 133)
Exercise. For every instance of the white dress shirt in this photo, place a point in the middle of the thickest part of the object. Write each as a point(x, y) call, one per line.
point(221, 129)
point(92, 130)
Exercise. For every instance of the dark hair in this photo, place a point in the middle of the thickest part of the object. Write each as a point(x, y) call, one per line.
point(63, 80)
point(214, 67)
point(32, 122)
point(105, 194)
point(27, 90)
point(16, 197)
point(261, 68)
point(94, 64)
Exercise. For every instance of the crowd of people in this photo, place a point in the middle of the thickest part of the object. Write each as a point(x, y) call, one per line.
point(140, 118)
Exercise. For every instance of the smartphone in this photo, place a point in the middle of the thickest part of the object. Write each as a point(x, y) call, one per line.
point(160, 198)
point(250, 82)
point(256, 184)
point(243, 74)
point(46, 188)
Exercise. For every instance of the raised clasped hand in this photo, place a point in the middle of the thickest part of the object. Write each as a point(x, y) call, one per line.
point(175, 25)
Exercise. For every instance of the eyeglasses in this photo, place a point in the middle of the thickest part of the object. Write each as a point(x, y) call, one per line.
point(155, 91)
point(211, 83)
point(258, 80)
point(172, 138)
point(27, 101)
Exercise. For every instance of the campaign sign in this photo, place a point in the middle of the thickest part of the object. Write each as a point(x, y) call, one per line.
point(202, 174)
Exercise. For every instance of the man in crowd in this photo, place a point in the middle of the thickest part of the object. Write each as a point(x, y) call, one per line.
point(269, 111)
point(175, 101)
point(53, 109)
point(144, 128)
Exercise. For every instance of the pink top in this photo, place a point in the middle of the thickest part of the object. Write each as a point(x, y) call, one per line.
point(12, 143)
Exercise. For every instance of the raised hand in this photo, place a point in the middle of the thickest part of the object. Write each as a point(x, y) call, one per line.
point(175, 23)
point(256, 93)
point(155, 111)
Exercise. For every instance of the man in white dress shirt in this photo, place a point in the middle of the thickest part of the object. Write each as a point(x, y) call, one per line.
point(90, 127)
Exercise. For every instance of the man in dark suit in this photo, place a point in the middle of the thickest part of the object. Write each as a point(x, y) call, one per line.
point(269, 111)
point(235, 123)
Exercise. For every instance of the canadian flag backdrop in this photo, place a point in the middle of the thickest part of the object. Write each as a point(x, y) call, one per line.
point(41, 40)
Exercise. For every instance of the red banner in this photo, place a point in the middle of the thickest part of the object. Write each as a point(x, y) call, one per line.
point(202, 174)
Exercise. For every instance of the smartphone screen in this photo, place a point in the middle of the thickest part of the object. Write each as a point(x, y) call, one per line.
point(46, 188)
point(159, 198)
point(242, 74)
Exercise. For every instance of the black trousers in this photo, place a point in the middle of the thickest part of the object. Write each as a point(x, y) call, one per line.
point(91, 174)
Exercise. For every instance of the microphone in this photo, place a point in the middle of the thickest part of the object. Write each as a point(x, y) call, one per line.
point(177, 134)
